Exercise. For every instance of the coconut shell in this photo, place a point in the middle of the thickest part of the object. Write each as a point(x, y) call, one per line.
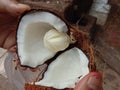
point(82, 38)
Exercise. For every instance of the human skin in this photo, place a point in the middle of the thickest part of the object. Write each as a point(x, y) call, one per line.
point(10, 11)
point(92, 81)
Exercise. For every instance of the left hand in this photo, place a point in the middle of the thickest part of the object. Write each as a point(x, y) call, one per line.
point(10, 10)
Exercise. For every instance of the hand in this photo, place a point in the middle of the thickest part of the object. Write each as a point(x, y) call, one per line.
point(10, 10)
point(92, 81)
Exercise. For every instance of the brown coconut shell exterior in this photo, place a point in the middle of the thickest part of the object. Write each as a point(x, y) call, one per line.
point(82, 38)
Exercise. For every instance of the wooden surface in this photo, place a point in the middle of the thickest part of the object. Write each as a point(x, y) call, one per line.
point(107, 39)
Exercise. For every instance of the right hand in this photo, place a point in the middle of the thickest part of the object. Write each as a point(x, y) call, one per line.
point(92, 81)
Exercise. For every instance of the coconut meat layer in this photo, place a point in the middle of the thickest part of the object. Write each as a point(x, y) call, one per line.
point(31, 31)
point(66, 70)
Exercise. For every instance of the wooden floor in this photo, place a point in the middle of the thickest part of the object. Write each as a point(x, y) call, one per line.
point(111, 79)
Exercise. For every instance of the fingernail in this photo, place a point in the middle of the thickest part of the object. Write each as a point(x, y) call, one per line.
point(25, 6)
point(95, 82)
point(21, 8)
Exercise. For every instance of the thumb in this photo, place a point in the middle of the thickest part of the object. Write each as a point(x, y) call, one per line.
point(13, 7)
point(92, 81)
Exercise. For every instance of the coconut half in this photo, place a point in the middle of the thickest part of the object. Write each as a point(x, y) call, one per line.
point(30, 37)
point(40, 36)
point(66, 70)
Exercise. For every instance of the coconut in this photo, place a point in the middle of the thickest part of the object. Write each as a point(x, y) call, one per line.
point(45, 37)
point(34, 36)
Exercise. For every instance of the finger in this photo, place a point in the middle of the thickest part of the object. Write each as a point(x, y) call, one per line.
point(13, 7)
point(93, 81)
point(17, 8)
point(10, 40)
point(7, 31)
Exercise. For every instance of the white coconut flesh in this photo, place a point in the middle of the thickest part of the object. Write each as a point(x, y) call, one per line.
point(40, 36)
point(66, 70)
point(31, 31)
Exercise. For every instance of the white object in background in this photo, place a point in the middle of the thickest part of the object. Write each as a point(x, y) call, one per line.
point(100, 9)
